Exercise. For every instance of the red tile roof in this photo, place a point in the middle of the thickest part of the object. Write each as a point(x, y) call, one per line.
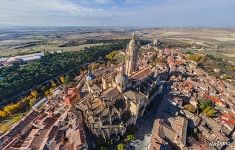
point(228, 118)
point(178, 62)
point(141, 74)
point(71, 95)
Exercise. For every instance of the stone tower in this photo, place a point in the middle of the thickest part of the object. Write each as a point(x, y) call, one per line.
point(132, 55)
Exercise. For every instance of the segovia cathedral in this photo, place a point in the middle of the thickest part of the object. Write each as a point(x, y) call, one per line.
point(117, 96)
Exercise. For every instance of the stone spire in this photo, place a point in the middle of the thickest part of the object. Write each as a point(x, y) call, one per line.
point(121, 70)
point(132, 55)
point(133, 36)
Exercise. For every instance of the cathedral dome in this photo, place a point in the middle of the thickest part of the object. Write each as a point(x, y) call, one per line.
point(90, 76)
point(121, 79)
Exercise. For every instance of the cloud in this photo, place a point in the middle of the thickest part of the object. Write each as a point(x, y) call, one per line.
point(103, 1)
point(164, 13)
point(142, 2)
point(43, 6)
point(35, 11)
point(183, 13)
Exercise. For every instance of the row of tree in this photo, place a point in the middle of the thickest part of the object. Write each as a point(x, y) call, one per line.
point(18, 79)
point(25, 103)
point(13, 108)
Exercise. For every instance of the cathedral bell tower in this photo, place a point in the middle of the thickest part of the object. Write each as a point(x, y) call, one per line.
point(132, 55)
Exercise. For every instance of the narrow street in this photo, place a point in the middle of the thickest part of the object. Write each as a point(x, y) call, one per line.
point(145, 125)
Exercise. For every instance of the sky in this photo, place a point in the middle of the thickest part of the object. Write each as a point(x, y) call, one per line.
point(137, 13)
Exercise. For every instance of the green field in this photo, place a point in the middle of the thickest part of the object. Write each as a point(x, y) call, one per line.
point(46, 47)
point(223, 55)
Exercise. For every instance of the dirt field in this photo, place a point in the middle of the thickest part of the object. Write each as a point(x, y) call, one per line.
point(229, 55)
point(218, 42)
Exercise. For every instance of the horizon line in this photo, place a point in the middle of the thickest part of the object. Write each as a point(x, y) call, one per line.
point(9, 26)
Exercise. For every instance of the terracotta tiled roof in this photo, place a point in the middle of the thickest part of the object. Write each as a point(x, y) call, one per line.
point(71, 92)
point(141, 74)
point(71, 95)
point(111, 93)
point(178, 62)
point(228, 118)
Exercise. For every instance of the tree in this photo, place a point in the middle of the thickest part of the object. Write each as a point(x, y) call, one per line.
point(190, 108)
point(31, 102)
point(206, 109)
point(130, 137)
point(25, 100)
point(7, 110)
point(47, 93)
point(16, 118)
point(195, 57)
point(11, 108)
point(4, 128)
point(34, 94)
point(119, 58)
point(103, 148)
point(116, 57)
point(111, 55)
point(120, 146)
point(67, 79)
point(3, 114)
point(203, 104)
point(53, 84)
point(210, 112)
point(62, 79)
